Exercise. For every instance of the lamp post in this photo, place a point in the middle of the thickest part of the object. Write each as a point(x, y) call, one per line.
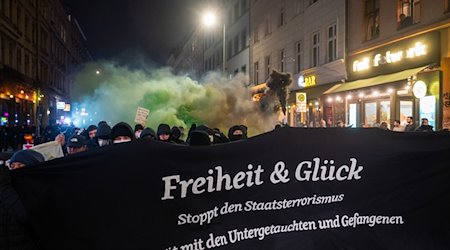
point(209, 20)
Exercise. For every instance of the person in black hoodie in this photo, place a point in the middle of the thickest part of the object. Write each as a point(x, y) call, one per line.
point(14, 224)
point(237, 132)
point(122, 132)
point(175, 135)
point(163, 133)
point(102, 137)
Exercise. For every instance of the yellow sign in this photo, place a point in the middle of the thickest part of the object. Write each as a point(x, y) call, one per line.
point(388, 57)
point(310, 81)
point(301, 102)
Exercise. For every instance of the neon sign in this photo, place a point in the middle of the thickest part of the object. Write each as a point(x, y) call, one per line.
point(389, 57)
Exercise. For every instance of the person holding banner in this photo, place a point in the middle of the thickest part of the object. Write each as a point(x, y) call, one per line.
point(14, 228)
point(122, 132)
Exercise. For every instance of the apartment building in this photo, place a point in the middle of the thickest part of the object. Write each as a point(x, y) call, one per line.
point(305, 38)
point(398, 64)
point(41, 47)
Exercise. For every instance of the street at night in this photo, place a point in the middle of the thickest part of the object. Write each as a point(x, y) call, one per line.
point(225, 124)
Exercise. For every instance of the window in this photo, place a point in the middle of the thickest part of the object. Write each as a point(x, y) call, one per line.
point(299, 56)
point(408, 12)
point(372, 16)
point(27, 65)
point(315, 50)
point(236, 44)
point(282, 17)
point(332, 40)
point(230, 17)
point(236, 11)
point(243, 6)
point(27, 27)
point(1, 6)
point(298, 6)
point(312, 1)
point(244, 39)
point(255, 35)
point(370, 111)
point(19, 60)
point(282, 60)
point(268, 28)
point(2, 49)
point(18, 18)
point(256, 73)
point(230, 52)
point(244, 69)
point(267, 66)
point(446, 6)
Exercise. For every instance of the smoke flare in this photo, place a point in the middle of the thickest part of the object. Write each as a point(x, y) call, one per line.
point(111, 92)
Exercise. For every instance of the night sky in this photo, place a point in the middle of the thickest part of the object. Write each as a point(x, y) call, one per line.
point(124, 30)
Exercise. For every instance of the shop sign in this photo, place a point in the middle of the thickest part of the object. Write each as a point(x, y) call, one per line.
point(419, 49)
point(67, 107)
point(300, 103)
point(307, 81)
point(406, 54)
point(60, 105)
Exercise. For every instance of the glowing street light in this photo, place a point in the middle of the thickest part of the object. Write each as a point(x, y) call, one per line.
point(209, 19)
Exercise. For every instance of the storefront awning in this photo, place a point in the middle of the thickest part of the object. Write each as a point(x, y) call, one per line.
point(312, 92)
point(364, 83)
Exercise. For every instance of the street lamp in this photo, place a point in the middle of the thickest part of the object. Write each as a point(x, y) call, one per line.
point(209, 20)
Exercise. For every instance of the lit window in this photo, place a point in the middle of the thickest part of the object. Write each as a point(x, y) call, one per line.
point(408, 12)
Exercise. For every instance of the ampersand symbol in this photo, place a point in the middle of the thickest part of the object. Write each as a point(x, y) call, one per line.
point(279, 174)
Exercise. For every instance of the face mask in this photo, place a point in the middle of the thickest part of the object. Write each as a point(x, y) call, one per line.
point(102, 142)
point(138, 134)
point(121, 141)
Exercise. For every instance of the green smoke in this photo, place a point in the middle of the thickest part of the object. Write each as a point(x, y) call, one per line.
point(116, 92)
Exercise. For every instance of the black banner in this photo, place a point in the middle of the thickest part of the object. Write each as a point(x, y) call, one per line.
point(288, 189)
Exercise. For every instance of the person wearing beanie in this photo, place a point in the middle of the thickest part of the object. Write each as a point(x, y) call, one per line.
point(148, 133)
point(163, 132)
point(24, 158)
point(122, 132)
point(14, 222)
point(237, 132)
point(138, 130)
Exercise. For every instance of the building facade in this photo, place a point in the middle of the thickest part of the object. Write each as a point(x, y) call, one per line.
point(188, 58)
point(397, 64)
point(231, 30)
point(305, 38)
point(41, 47)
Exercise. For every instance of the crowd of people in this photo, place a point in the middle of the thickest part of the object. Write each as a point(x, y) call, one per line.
point(68, 140)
